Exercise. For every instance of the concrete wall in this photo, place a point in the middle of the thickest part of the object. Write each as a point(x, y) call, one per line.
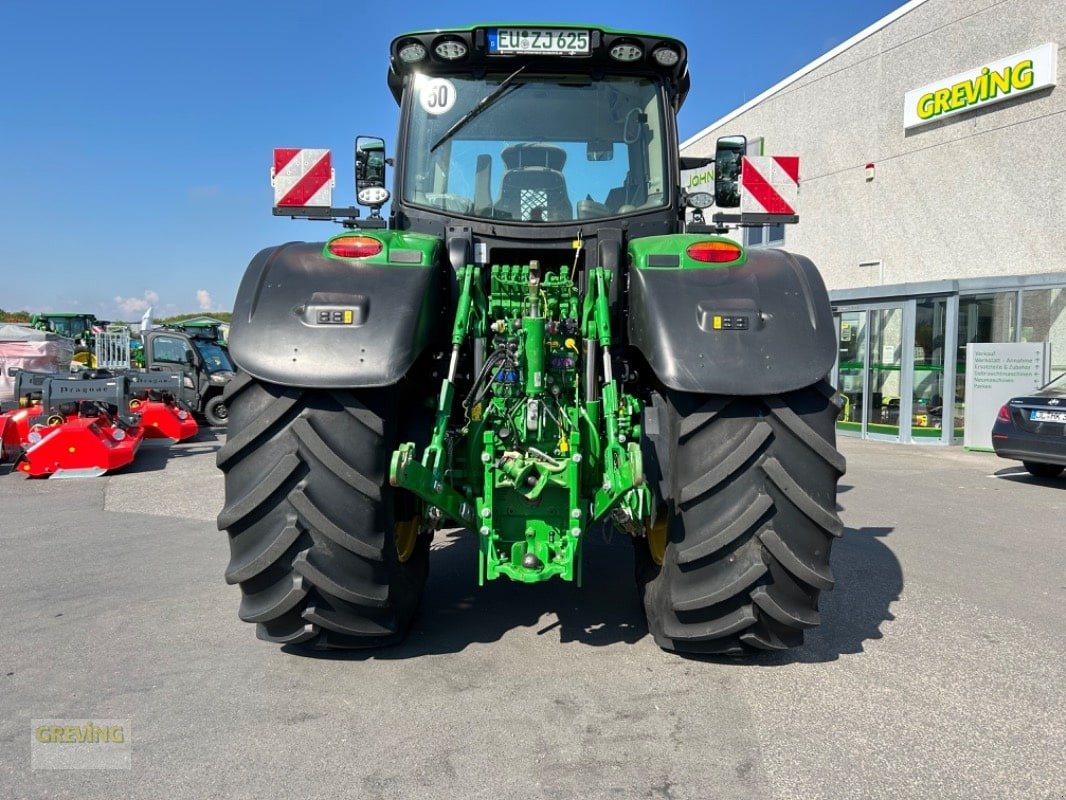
point(981, 193)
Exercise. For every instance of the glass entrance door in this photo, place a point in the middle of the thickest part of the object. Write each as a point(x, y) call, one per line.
point(870, 371)
point(851, 370)
point(884, 372)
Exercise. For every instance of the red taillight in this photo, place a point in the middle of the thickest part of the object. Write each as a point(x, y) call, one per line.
point(354, 246)
point(714, 252)
point(1004, 414)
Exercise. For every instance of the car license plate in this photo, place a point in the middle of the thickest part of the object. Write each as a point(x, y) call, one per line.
point(1037, 415)
point(538, 41)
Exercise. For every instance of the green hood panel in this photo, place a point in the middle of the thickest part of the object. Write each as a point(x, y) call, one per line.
point(670, 252)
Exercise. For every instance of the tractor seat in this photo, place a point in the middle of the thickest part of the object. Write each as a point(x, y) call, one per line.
point(534, 194)
point(533, 188)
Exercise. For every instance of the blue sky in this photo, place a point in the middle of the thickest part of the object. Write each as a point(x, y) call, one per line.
point(137, 137)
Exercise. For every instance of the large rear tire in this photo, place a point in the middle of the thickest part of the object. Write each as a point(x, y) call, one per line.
point(748, 486)
point(312, 521)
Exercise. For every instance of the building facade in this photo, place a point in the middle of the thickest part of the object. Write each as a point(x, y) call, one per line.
point(932, 198)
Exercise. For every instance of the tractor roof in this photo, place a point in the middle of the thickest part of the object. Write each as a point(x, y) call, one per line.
point(66, 314)
point(481, 46)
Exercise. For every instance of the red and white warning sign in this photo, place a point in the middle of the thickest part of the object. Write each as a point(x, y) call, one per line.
point(302, 177)
point(769, 184)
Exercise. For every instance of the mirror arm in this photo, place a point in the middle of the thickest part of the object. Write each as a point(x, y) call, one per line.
point(695, 162)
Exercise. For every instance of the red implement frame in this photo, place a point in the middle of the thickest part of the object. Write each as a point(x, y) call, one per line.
point(74, 447)
point(164, 422)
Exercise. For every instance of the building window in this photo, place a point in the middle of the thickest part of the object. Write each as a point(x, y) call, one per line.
point(1044, 320)
point(765, 236)
point(983, 318)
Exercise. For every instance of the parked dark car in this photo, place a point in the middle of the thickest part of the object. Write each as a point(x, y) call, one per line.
point(1032, 429)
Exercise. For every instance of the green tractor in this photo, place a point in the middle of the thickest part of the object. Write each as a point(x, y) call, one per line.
point(202, 330)
point(82, 328)
point(542, 338)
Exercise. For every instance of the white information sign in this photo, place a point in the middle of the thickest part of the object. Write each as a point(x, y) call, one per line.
point(995, 373)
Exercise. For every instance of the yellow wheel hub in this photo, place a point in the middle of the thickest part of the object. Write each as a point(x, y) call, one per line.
point(657, 534)
point(406, 535)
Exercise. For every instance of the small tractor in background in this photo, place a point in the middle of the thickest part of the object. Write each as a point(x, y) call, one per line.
point(542, 337)
point(211, 331)
point(82, 328)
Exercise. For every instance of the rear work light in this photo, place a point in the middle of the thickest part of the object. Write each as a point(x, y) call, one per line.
point(626, 52)
point(354, 246)
point(1004, 414)
point(714, 252)
point(373, 196)
point(666, 56)
point(412, 52)
point(450, 49)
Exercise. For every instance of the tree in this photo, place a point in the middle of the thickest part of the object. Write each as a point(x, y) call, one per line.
point(14, 316)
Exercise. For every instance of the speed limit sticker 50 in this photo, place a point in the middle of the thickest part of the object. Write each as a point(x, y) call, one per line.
point(437, 96)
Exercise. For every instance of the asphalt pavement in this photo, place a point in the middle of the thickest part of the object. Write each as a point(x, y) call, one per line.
point(938, 672)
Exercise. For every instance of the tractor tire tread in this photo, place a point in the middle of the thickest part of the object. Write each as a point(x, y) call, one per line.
point(246, 505)
point(332, 461)
point(702, 484)
point(300, 635)
point(309, 515)
point(741, 524)
point(273, 601)
point(753, 499)
point(247, 565)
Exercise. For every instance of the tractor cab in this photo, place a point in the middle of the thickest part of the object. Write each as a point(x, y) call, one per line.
point(197, 329)
point(527, 132)
point(78, 327)
point(81, 328)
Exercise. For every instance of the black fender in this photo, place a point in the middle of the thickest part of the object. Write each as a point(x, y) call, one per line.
point(774, 331)
point(303, 319)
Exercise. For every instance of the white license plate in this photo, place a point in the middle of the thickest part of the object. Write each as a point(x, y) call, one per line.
point(1047, 416)
point(538, 41)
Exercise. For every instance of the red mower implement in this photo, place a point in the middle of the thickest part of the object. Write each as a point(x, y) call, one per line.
point(165, 419)
point(68, 428)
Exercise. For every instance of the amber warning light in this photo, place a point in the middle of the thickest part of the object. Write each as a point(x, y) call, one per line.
point(714, 252)
point(354, 246)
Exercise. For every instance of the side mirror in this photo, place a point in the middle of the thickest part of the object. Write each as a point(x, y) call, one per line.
point(190, 359)
point(727, 155)
point(370, 173)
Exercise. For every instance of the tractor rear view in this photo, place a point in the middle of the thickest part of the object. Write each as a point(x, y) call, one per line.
point(535, 342)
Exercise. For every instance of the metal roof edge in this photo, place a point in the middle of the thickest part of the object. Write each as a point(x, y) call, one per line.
point(795, 76)
point(991, 283)
point(892, 291)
